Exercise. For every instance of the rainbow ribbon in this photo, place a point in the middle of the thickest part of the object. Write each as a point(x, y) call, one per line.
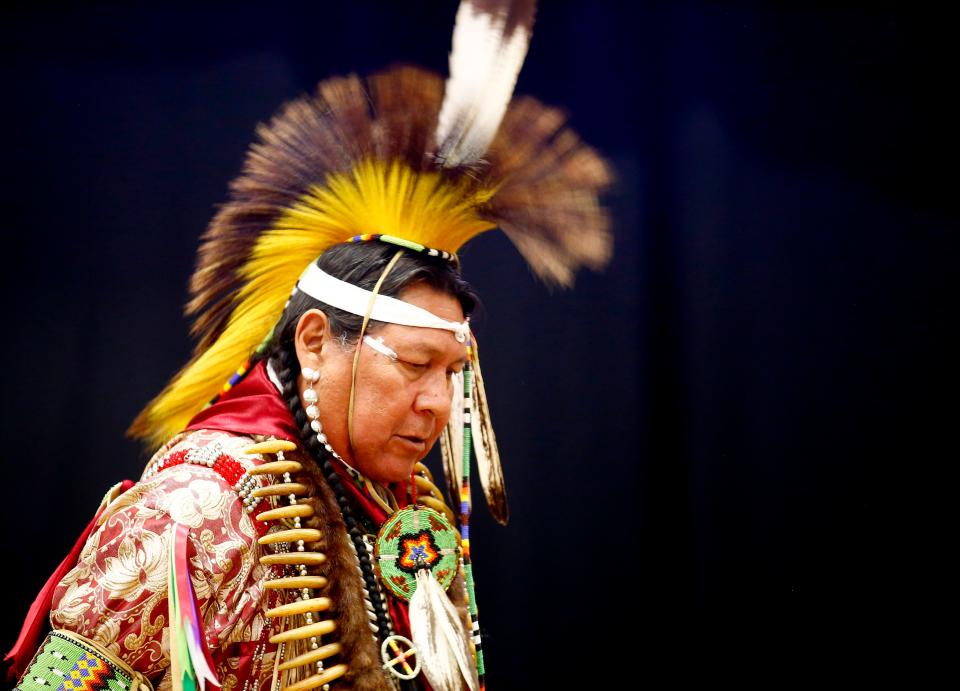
point(190, 660)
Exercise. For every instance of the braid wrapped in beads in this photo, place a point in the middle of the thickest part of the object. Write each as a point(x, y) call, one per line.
point(344, 586)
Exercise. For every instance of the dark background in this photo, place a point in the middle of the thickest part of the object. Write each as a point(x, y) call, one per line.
point(721, 454)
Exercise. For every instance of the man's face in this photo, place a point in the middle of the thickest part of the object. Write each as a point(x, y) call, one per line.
point(400, 406)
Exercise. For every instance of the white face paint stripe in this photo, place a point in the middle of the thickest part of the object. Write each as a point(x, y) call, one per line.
point(353, 299)
point(378, 345)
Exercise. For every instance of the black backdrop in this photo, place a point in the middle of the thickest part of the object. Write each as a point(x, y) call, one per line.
point(718, 451)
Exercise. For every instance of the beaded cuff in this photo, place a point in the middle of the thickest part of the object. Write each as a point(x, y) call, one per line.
point(67, 660)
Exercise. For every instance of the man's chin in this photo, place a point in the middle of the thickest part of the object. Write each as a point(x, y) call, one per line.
point(392, 469)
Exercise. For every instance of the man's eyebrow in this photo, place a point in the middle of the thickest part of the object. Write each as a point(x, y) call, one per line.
point(423, 349)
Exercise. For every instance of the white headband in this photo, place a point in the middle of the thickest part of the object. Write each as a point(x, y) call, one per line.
point(353, 299)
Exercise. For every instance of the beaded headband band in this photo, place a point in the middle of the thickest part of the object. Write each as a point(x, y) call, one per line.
point(406, 244)
point(321, 286)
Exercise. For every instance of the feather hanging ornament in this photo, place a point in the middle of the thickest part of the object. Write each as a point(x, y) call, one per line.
point(485, 447)
point(451, 440)
point(440, 637)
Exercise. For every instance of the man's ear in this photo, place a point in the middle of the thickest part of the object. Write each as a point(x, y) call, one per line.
point(311, 334)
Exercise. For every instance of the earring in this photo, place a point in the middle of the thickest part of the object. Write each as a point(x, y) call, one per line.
point(313, 412)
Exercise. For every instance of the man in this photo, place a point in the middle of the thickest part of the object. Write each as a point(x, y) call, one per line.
point(285, 531)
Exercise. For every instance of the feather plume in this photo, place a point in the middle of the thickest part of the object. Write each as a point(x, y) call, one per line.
point(317, 176)
point(440, 637)
point(485, 447)
point(451, 442)
point(490, 41)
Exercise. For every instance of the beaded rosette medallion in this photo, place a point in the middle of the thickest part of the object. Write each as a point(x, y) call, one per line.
point(415, 538)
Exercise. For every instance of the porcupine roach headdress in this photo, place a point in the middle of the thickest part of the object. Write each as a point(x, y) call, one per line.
point(399, 154)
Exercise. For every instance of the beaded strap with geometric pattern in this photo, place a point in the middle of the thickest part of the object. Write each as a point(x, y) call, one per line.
point(71, 662)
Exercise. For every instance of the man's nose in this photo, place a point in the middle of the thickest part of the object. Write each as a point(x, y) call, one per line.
point(434, 397)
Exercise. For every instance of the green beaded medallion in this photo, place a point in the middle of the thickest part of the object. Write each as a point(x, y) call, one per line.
point(413, 538)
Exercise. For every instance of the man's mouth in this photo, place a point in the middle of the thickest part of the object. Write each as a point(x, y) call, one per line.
point(415, 441)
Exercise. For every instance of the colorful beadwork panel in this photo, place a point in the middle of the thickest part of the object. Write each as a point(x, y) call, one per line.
point(411, 539)
point(62, 664)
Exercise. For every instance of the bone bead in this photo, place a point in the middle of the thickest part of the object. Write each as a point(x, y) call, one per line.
point(316, 604)
point(420, 468)
point(321, 653)
point(294, 511)
point(424, 486)
point(280, 489)
point(321, 628)
point(293, 558)
point(271, 446)
point(318, 680)
point(296, 582)
point(276, 468)
point(292, 535)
